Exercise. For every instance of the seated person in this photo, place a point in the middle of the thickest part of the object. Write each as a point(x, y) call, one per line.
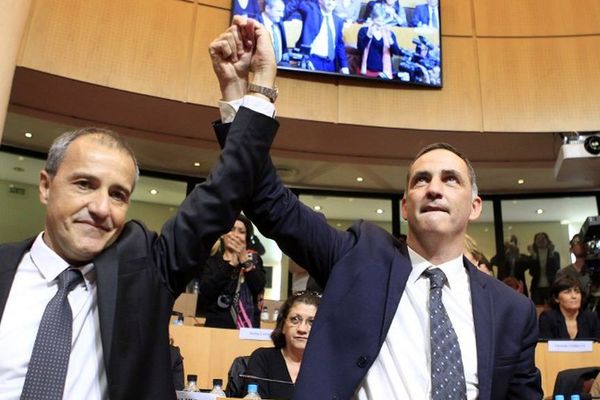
point(322, 36)
point(566, 319)
point(376, 42)
point(282, 362)
point(348, 10)
point(248, 8)
point(395, 15)
point(231, 280)
point(427, 15)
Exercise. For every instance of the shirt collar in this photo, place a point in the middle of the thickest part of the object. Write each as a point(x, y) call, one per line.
point(453, 269)
point(50, 264)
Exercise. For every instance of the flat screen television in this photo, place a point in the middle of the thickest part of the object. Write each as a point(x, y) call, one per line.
point(396, 41)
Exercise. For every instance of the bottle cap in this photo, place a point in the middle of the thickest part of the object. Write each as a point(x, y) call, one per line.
point(217, 382)
point(252, 388)
point(575, 397)
point(559, 397)
point(192, 378)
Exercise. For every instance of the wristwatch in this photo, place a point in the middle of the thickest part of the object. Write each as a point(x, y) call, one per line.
point(271, 93)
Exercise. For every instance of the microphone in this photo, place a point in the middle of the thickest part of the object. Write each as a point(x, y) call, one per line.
point(258, 378)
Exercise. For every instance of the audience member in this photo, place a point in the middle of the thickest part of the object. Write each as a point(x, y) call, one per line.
point(566, 319)
point(377, 43)
point(322, 36)
point(511, 263)
point(377, 297)
point(231, 281)
point(246, 8)
point(272, 18)
point(395, 15)
point(108, 337)
point(348, 10)
point(282, 362)
point(577, 269)
point(427, 15)
point(543, 263)
point(476, 257)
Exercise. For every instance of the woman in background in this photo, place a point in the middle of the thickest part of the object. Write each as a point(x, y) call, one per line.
point(566, 319)
point(282, 362)
point(232, 280)
point(543, 263)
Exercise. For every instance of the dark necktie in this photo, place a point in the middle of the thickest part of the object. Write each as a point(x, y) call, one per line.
point(45, 379)
point(330, 39)
point(447, 373)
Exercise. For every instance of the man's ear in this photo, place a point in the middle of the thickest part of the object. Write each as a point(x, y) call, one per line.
point(44, 186)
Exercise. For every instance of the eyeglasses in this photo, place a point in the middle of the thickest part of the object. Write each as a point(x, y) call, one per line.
point(297, 320)
point(308, 292)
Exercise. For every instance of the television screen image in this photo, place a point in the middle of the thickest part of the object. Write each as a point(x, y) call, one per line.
point(389, 40)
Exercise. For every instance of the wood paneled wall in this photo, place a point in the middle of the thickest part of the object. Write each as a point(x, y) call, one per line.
point(522, 66)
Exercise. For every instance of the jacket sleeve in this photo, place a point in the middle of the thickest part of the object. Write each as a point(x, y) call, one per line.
point(211, 208)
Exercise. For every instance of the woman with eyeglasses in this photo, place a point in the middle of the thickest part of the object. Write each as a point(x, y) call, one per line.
point(566, 319)
point(276, 368)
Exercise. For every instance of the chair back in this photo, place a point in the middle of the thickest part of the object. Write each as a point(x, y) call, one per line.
point(574, 381)
point(235, 383)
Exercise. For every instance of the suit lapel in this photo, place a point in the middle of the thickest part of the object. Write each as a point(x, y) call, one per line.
point(400, 268)
point(107, 269)
point(483, 319)
point(10, 257)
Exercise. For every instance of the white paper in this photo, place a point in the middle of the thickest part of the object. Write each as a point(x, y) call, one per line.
point(255, 334)
point(570, 346)
point(181, 395)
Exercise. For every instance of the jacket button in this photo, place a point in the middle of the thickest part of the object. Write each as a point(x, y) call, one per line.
point(362, 361)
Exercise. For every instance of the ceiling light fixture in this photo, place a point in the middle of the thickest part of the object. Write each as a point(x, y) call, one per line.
point(153, 192)
point(539, 211)
point(359, 179)
point(379, 211)
point(196, 164)
point(521, 181)
point(28, 135)
point(317, 208)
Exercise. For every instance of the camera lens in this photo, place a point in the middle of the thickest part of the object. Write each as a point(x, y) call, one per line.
point(592, 145)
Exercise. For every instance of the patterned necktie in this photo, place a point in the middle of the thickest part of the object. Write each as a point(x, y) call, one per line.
point(447, 373)
point(45, 379)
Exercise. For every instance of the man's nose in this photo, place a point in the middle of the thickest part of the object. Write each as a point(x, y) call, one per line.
point(99, 206)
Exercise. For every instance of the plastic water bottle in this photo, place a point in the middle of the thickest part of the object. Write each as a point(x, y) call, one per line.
point(264, 315)
point(192, 384)
point(275, 315)
point(218, 388)
point(252, 392)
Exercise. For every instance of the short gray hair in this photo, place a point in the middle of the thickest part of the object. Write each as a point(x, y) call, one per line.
point(452, 149)
point(107, 137)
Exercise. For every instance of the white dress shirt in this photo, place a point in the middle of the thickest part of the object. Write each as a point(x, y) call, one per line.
point(34, 286)
point(402, 370)
point(320, 45)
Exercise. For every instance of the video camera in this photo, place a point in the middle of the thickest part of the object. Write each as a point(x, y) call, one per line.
point(590, 235)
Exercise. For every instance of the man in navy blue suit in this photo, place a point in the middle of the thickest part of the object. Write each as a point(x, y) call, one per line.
point(370, 339)
point(271, 17)
point(427, 15)
point(322, 36)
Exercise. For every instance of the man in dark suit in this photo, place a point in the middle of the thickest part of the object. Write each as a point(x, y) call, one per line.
point(322, 36)
point(130, 276)
point(427, 15)
point(272, 18)
point(371, 338)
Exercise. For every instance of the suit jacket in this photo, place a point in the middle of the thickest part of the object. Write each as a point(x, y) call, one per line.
point(553, 325)
point(312, 20)
point(142, 273)
point(364, 271)
point(421, 15)
point(280, 27)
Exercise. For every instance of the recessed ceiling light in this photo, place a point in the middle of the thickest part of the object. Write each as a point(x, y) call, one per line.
point(359, 179)
point(153, 192)
point(21, 158)
point(196, 164)
point(28, 135)
point(539, 211)
point(521, 181)
point(317, 208)
point(379, 211)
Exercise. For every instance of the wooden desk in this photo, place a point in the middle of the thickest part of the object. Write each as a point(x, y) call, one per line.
point(551, 363)
point(209, 352)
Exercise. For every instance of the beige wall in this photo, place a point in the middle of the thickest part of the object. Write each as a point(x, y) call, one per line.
point(531, 65)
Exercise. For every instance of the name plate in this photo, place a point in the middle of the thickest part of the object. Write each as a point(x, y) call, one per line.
point(255, 334)
point(570, 346)
point(181, 395)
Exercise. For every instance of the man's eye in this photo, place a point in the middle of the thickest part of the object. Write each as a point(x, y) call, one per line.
point(83, 184)
point(120, 196)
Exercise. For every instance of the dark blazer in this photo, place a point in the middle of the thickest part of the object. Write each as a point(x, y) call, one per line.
point(375, 57)
point(553, 325)
point(268, 362)
point(280, 27)
point(421, 15)
point(552, 267)
point(142, 273)
point(312, 20)
point(364, 271)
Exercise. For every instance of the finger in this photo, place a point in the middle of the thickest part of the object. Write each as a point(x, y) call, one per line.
point(222, 47)
point(249, 33)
